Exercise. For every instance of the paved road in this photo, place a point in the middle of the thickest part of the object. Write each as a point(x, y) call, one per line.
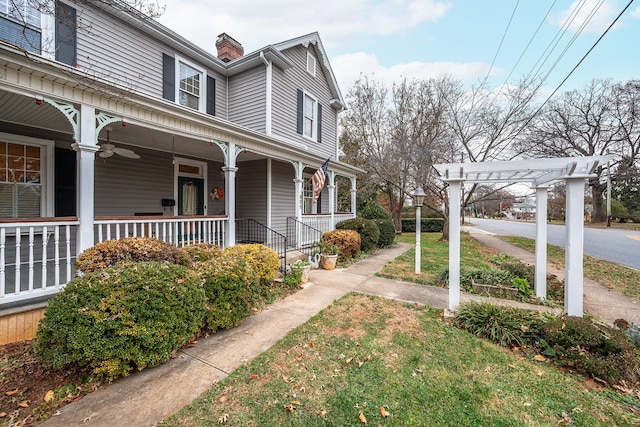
point(620, 246)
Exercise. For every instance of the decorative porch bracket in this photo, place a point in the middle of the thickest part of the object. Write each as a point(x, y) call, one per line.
point(103, 119)
point(70, 112)
point(224, 147)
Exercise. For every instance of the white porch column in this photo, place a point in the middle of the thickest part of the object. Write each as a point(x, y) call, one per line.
point(573, 281)
point(230, 194)
point(454, 244)
point(332, 197)
point(86, 149)
point(541, 243)
point(298, 181)
point(353, 196)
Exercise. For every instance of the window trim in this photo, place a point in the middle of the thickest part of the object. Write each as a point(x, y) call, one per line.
point(47, 148)
point(202, 99)
point(314, 124)
point(311, 64)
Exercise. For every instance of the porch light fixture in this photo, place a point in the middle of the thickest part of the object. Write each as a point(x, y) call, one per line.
point(418, 198)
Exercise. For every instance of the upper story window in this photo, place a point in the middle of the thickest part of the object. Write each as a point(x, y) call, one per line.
point(309, 119)
point(22, 11)
point(189, 92)
point(311, 64)
point(188, 85)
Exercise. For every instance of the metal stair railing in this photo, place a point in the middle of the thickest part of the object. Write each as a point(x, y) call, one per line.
point(252, 231)
point(301, 236)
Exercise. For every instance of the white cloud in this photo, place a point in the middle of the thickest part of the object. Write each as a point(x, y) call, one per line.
point(586, 16)
point(635, 13)
point(349, 67)
point(257, 24)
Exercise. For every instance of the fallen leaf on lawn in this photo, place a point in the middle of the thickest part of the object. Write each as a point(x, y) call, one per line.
point(253, 377)
point(321, 413)
point(23, 404)
point(12, 392)
point(512, 366)
point(565, 419)
point(539, 358)
point(296, 402)
point(363, 418)
point(349, 360)
point(384, 412)
point(223, 418)
point(289, 408)
point(3, 414)
point(48, 397)
point(222, 399)
point(527, 403)
point(310, 344)
point(299, 357)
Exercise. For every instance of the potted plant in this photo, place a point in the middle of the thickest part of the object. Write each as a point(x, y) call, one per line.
point(303, 267)
point(328, 255)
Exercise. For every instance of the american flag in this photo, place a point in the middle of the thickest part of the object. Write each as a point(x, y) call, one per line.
point(318, 180)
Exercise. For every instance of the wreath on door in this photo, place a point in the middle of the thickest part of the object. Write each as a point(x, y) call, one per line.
point(217, 193)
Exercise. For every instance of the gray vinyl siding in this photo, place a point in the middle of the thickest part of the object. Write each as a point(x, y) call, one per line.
point(247, 99)
point(282, 195)
point(117, 52)
point(124, 187)
point(251, 191)
point(285, 83)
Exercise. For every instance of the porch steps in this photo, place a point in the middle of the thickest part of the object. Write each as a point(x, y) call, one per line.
point(295, 255)
point(20, 323)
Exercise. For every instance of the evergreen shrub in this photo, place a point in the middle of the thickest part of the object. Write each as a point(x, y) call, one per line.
point(427, 225)
point(375, 211)
point(121, 318)
point(263, 260)
point(112, 252)
point(387, 232)
point(367, 228)
point(202, 251)
point(347, 241)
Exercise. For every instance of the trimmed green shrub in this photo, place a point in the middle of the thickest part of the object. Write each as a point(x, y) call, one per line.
point(427, 225)
point(112, 252)
point(263, 260)
point(595, 349)
point(506, 326)
point(387, 232)
point(202, 251)
point(375, 211)
point(367, 228)
point(232, 290)
point(125, 317)
point(347, 241)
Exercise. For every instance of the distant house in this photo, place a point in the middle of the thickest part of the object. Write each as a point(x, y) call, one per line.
point(522, 210)
point(112, 125)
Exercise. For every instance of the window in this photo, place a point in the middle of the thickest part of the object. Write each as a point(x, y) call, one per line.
point(20, 24)
point(195, 89)
point(311, 64)
point(189, 94)
point(22, 178)
point(66, 28)
point(307, 196)
point(309, 120)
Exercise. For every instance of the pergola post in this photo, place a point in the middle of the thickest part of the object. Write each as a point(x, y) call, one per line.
point(541, 243)
point(573, 280)
point(454, 244)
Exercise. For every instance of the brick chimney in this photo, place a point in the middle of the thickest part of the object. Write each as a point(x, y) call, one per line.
point(228, 48)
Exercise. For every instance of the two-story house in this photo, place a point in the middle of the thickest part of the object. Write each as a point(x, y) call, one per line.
point(112, 125)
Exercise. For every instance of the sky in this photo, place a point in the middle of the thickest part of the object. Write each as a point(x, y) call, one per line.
point(497, 41)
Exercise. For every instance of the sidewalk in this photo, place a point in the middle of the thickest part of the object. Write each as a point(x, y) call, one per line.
point(147, 397)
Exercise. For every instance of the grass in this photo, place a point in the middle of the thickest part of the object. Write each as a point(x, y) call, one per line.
point(364, 356)
point(614, 276)
point(434, 258)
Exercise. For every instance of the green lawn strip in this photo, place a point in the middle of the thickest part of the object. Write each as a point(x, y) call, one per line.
point(434, 258)
point(614, 276)
point(363, 353)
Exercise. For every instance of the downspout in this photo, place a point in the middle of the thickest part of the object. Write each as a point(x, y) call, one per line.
point(268, 92)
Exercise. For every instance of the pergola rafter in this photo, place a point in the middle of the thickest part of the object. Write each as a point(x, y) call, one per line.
point(539, 173)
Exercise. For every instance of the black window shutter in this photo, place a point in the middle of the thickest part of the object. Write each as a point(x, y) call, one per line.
point(211, 96)
point(319, 122)
point(300, 112)
point(66, 34)
point(65, 182)
point(168, 77)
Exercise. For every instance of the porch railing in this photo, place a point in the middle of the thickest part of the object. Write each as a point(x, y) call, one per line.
point(252, 231)
point(301, 236)
point(179, 231)
point(322, 222)
point(36, 257)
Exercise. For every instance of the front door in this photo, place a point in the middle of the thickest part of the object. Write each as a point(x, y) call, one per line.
point(190, 196)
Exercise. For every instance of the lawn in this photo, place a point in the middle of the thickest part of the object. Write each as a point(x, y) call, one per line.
point(369, 360)
point(434, 258)
point(614, 276)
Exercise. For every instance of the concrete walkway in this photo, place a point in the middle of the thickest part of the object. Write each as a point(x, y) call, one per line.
point(147, 397)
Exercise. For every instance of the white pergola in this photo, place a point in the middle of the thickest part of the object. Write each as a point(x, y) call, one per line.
point(539, 173)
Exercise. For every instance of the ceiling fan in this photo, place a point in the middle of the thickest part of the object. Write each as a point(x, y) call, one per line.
point(108, 149)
